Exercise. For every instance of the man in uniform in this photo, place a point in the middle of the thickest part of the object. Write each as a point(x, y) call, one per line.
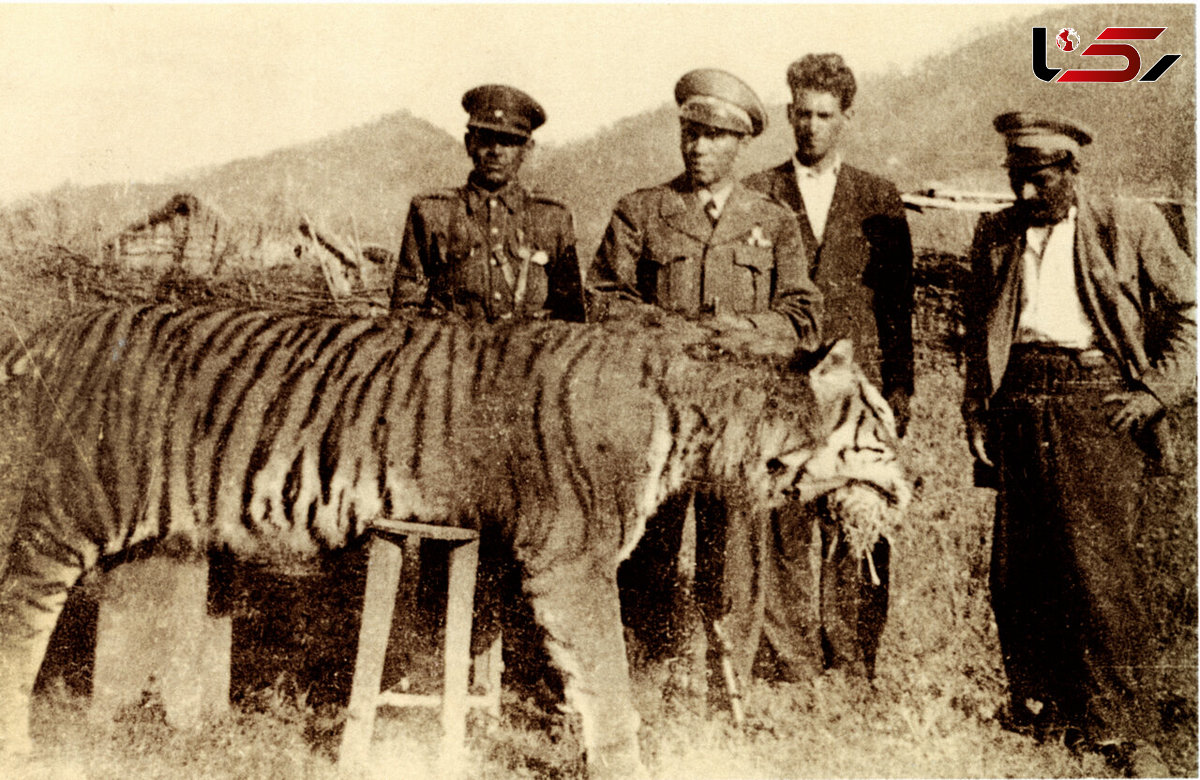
point(703, 245)
point(1081, 333)
point(492, 250)
point(860, 256)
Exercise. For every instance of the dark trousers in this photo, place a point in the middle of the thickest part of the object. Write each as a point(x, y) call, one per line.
point(656, 602)
point(822, 608)
point(789, 579)
point(500, 605)
point(1065, 584)
point(662, 604)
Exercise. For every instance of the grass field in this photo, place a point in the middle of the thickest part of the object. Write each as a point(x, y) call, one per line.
point(933, 711)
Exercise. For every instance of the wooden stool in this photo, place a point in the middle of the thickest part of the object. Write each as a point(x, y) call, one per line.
point(383, 577)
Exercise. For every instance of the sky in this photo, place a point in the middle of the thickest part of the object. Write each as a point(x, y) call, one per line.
point(101, 93)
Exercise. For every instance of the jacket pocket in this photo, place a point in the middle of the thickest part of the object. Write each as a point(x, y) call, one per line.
point(537, 281)
point(750, 289)
point(666, 276)
point(466, 267)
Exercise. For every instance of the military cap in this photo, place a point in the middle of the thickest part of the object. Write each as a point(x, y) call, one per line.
point(720, 99)
point(503, 109)
point(1035, 141)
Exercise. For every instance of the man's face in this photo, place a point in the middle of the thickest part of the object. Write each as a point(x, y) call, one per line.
point(709, 153)
point(817, 121)
point(497, 156)
point(1046, 194)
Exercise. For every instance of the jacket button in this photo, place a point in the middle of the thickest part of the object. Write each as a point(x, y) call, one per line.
point(496, 296)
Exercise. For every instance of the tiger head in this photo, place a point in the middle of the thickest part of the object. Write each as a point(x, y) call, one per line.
point(856, 435)
point(799, 424)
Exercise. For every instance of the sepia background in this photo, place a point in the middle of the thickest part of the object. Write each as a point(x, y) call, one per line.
point(173, 153)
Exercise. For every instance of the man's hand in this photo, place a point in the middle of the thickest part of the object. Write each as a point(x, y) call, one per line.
point(1137, 410)
point(976, 440)
point(898, 400)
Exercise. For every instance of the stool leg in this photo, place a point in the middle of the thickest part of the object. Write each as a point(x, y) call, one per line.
point(383, 576)
point(464, 558)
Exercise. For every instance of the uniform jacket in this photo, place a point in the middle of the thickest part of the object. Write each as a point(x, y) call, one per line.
point(863, 267)
point(661, 247)
point(1136, 284)
point(491, 255)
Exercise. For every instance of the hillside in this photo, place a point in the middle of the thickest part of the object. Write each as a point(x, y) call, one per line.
point(937, 119)
point(928, 125)
point(370, 172)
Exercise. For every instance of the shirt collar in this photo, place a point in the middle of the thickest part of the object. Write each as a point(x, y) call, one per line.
point(510, 195)
point(717, 196)
point(1067, 221)
point(817, 171)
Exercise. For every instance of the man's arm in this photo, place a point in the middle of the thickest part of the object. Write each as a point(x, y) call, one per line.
point(615, 269)
point(565, 299)
point(891, 279)
point(1169, 295)
point(975, 303)
point(795, 296)
point(409, 283)
point(889, 275)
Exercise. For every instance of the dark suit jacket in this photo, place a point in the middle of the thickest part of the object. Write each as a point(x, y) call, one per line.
point(863, 267)
point(1136, 284)
point(660, 247)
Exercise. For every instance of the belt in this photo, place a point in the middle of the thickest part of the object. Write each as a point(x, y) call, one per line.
point(1039, 368)
point(1088, 358)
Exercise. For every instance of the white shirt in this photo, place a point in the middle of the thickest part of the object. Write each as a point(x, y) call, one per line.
point(816, 189)
point(716, 197)
point(1051, 309)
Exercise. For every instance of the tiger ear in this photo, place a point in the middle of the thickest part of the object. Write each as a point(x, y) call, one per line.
point(834, 376)
point(829, 356)
point(839, 357)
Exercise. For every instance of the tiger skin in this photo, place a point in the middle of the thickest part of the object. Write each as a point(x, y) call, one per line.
point(278, 435)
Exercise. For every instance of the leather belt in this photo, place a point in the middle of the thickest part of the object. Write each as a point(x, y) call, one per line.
point(1088, 358)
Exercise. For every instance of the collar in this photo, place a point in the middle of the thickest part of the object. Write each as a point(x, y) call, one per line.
point(1067, 221)
point(830, 166)
point(511, 195)
point(718, 196)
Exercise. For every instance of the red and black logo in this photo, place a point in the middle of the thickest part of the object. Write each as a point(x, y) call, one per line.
point(1067, 40)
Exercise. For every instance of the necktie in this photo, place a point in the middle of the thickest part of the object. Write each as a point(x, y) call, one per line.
point(710, 206)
